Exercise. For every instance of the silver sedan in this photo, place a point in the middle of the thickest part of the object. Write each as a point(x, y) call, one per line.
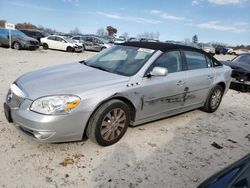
point(128, 84)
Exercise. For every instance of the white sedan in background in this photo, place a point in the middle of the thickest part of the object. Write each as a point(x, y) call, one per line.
point(238, 52)
point(61, 43)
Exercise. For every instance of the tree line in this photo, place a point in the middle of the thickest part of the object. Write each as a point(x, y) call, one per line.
point(112, 31)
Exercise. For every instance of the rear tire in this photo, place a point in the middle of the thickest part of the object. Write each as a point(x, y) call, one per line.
point(45, 46)
point(16, 45)
point(213, 100)
point(109, 123)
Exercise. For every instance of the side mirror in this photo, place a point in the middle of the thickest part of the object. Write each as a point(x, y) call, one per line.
point(159, 71)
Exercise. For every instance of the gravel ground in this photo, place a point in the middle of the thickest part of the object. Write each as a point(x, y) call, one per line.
point(173, 152)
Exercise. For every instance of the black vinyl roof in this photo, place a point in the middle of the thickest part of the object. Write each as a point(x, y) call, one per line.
point(160, 46)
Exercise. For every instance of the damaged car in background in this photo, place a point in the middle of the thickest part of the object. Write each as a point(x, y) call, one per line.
point(61, 43)
point(125, 85)
point(241, 72)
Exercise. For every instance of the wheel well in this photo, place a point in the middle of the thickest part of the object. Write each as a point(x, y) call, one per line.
point(12, 45)
point(130, 105)
point(223, 85)
point(123, 99)
point(70, 47)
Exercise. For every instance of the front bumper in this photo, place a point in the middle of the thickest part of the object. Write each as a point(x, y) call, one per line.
point(47, 128)
point(240, 85)
point(243, 82)
point(78, 48)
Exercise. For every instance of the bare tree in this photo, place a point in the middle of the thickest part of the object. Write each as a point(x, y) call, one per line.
point(2, 23)
point(25, 26)
point(101, 32)
point(111, 31)
point(75, 31)
point(149, 35)
point(187, 41)
point(126, 36)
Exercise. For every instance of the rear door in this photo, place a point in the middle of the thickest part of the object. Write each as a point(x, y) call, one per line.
point(51, 41)
point(88, 43)
point(200, 76)
point(60, 43)
point(97, 44)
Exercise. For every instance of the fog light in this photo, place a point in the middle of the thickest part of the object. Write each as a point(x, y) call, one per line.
point(41, 135)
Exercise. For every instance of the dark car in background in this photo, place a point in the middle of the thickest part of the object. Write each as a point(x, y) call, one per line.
point(93, 42)
point(240, 73)
point(18, 40)
point(219, 49)
point(236, 175)
point(34, 33)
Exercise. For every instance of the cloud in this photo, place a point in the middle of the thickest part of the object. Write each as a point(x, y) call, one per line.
point(196, 2)
point(226, 2)
point(167, 16)
point(75, 2)
point(216, 25)
point(127, 18)
point(31, 6)
point(219, 2)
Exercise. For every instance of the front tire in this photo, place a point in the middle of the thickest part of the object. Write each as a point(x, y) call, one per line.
point(16, 45)
point(70, 49)
point(109, 123)
point(214, 99)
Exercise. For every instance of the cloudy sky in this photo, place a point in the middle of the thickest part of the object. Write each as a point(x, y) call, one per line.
point(225, 21)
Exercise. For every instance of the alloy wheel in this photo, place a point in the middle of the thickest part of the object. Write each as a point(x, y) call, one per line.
point(113, 124)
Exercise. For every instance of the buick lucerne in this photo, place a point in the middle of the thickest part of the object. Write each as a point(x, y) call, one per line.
point(125, 85)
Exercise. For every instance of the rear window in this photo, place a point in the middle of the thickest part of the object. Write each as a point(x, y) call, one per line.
point(195, 60)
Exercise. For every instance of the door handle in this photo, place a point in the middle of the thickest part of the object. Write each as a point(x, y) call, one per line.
point(180, 83)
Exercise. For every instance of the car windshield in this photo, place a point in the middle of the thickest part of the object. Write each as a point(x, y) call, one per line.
point(122, 60)
point(18, 33)
point(242, 59)
point(69, 40)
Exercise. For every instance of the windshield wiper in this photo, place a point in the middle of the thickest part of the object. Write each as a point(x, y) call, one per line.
point(94, 66)
point(98, 67)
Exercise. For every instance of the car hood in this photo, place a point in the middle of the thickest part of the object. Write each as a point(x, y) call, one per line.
point(243, 67)
point(77, 44)
point(73, 78)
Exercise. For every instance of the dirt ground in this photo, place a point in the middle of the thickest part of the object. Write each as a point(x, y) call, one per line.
point(173, 152)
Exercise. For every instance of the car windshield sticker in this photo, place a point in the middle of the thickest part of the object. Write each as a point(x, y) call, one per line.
point(146, 50)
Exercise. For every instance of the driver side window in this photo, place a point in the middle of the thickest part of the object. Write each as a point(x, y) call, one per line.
point(170, 60)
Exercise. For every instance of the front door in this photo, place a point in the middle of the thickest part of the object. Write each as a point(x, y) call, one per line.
point(163, 94)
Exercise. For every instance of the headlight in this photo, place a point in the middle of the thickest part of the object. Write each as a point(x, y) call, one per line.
point(53, 105)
